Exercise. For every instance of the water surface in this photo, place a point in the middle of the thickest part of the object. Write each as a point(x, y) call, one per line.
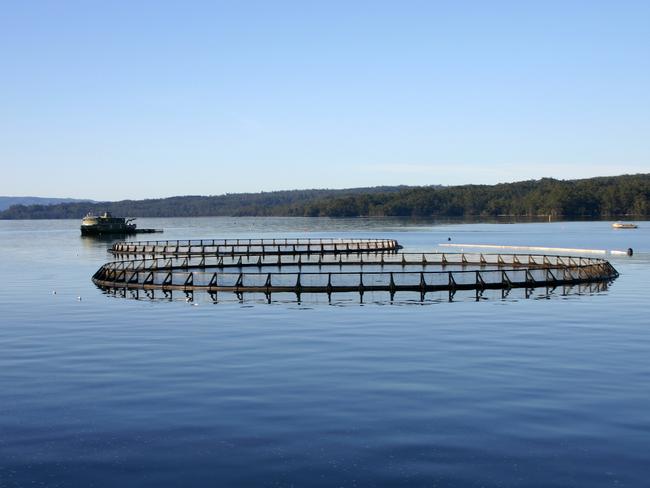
point(103, 391)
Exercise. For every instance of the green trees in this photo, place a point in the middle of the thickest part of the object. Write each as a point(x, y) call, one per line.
point(593, 197)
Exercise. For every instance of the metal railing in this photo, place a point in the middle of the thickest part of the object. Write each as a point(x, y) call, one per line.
point(252, 246)
point(359, 271)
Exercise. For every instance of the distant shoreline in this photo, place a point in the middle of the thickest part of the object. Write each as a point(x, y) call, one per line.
point(467, 219)
point(616, 197)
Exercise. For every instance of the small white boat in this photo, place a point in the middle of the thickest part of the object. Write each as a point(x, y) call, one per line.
point(620, 225)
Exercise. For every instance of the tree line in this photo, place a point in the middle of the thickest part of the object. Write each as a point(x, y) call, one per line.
point(591, 198)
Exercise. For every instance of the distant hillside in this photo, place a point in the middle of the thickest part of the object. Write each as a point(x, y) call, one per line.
point(6, 202)
point(265, 203)
point(593, 197)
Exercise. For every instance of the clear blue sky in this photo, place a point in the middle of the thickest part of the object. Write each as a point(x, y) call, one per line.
point(112, 100)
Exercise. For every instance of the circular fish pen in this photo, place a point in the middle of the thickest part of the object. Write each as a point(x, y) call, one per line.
point(304, 267)
point(221, 247)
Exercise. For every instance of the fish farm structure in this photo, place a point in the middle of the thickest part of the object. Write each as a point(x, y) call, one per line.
point(330, 267)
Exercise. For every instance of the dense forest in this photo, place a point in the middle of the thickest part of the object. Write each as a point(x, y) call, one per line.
point(594, 197)
point(6, 202)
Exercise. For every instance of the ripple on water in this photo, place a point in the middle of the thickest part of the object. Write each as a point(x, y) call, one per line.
point(515, 392)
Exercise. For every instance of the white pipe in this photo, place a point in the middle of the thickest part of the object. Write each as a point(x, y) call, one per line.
point(533, 248)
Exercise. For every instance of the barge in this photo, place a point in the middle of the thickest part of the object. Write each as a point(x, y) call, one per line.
point(106, 224)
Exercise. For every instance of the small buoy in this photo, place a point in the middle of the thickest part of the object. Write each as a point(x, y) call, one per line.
point(630, 252)
point(449, 238)
point(79, 298)
point(53, 292)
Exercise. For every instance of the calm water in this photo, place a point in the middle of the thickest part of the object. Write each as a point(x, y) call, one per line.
point(105, 391)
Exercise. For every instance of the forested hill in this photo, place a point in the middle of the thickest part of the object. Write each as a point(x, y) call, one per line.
point(593, 197)
point(6, 202)
point(265, 203)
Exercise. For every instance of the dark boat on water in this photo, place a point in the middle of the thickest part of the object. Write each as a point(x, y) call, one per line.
point(104, 224)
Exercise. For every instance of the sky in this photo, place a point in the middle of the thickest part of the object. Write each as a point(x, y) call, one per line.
point(115, 100)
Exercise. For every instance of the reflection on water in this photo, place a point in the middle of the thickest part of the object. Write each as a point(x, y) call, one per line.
point(355, 298)
point(508, 392)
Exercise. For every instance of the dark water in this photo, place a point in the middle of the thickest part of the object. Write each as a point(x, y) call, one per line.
point(106, 391)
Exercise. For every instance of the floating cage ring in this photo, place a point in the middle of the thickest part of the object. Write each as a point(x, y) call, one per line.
point(326, 266)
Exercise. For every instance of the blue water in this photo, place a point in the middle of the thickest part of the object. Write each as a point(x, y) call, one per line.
point(106, 391)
